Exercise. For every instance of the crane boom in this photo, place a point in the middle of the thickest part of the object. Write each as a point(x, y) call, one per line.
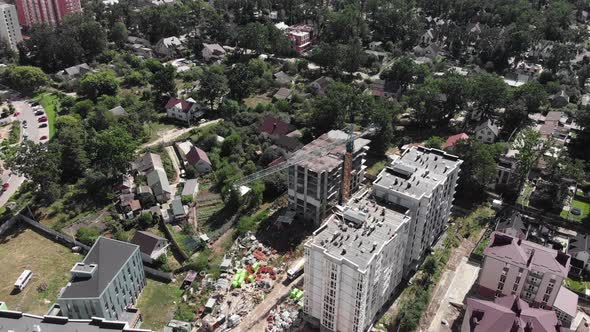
point(298, 157)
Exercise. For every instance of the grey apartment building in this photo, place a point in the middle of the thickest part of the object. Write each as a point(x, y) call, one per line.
point(9, 27)
point(107, 282)
point(422, 180)
point(315, 184)
point(354, 263)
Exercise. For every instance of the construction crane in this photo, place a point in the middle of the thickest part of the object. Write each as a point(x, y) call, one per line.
point(301, 156)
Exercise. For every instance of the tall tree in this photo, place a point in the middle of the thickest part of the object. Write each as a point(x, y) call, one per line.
point(213, 84)
point(530, 148)
point(112, 151)
point(94, 85)
point(163, 81)
point(119, 34)
point(489, 92)
point(25, 79)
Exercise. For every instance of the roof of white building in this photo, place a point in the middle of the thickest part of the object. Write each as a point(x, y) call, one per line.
point(418, 171)
point(360, 231)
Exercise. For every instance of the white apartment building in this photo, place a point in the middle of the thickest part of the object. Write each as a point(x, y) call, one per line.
point(315, 184)
point(9, 27)
point(422, 180)
point(353, 264)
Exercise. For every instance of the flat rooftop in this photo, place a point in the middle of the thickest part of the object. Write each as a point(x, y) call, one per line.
point(18, 321)
point(334, 145)
point(359, 232)
point(109, 256)
point(418, 171)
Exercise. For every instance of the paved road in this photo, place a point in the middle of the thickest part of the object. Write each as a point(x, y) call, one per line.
point(26, 113)
point(257, 317)
point(171, 135)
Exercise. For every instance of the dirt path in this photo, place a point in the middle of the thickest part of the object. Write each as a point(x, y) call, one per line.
point(217, 246)
point(446, 279)
point(256, 319)
point(169, 136)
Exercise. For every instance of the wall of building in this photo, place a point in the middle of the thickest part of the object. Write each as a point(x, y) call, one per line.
point(9, 27)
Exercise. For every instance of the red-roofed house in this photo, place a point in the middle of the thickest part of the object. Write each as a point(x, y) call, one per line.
point(180, 109)
point(508, 313)
point(535, 273)
point(199, 160)
point(453, 139)
point(275, 127)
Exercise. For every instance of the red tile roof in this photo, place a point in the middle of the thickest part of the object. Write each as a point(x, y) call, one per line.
point(274, 126)
point(196, 154)
point(509, 313)
point(453, 139)
point(185, 106)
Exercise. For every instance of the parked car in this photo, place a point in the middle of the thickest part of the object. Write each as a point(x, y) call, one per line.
point(5, 186)
point(43, 138)
point(16, 114)
point(43, 125)
point(576, 211)
point(42, 119)
point(36, 103)
point(39, 113)
point(25, 124)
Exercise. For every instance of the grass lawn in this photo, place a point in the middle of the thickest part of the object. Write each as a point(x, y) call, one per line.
point(583, 206)
point(156, 303)
point(525, 196)
point(50, 262)
point(576, 285)
point(49, 102)
point(253, 101)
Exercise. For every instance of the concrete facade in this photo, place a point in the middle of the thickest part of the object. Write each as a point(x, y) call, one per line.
point(9, 28)
point(314, 186)
point(353, 265)
point(108, 281)
point(422, 180)
point(52, 12)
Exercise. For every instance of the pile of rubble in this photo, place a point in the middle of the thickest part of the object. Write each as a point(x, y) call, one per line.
point(246, 275)
point(285, 317)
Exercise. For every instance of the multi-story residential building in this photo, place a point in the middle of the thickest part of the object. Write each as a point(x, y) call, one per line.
point(106, 283)
point(302, 37)
point(535, 273)
point(353, 264)
point(9, 28)
point(508, 313)
point(422, 180)
point(52, 12)
point(315, 184)
point(20, 321)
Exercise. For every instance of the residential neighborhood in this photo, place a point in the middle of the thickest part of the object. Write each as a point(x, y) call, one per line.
point(384, 165)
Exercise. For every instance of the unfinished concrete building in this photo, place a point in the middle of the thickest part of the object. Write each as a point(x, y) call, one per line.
point(422, 180)
point(315, 184)
point(353, 264)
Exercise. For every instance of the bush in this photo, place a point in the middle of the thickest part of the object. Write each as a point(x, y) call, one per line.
point(250, 223)
point(87, 235)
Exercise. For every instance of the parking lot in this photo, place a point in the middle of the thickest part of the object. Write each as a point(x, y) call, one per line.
point(34, 133)
point(27, 113)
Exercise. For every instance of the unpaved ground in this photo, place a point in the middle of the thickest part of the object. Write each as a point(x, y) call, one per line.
point(446, 280)
point(256, 319)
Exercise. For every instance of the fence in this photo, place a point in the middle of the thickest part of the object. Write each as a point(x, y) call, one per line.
point(70, 242)
point(175, 246)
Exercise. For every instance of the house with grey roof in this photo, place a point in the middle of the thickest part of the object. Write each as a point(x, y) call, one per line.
point(19, 321)
point(169, 47)
point(320, 85)
point(283, 94)
point(178, 210)
point(212, 52)
point(73, 72)
point(118, 111)
point(579, 249)
point(105, 283)
point(513, 225)
point(158, 181)
point(191, 188)
point(487, 132)
point(147, 162)
point(150, 244)
point(282, 79)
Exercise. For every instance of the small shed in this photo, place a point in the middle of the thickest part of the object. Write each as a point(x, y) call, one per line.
point(210, 304)
point(189, 279)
